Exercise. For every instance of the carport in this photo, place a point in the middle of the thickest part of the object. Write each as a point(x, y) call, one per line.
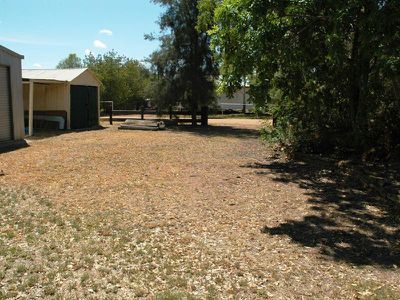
point(61, 99)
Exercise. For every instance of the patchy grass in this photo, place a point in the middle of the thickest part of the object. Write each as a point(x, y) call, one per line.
point(92, 257)
point(173, 296)
point(374, 291)
point(191, 214)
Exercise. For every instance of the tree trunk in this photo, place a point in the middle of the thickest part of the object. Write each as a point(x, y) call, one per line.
point(194, 111)
point(194, 115)
point(361, 68)
point(355, 75)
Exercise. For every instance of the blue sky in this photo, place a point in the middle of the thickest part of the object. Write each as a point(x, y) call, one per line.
point(46, 31)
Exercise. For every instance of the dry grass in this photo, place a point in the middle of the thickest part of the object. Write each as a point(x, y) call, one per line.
point(186, 214)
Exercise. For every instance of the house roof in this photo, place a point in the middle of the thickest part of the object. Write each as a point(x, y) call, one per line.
point(8, 51)
point(62, 75)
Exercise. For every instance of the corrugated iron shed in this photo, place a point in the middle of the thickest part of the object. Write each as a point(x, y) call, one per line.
point(62, 75)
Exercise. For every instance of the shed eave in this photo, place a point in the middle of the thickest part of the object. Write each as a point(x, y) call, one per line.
point(27, 80)
point(12, 53)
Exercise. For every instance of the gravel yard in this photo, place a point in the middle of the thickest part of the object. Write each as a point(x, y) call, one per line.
point(190, 214)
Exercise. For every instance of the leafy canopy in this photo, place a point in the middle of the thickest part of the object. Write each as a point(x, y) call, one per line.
point(328, 71)
point(71, 62)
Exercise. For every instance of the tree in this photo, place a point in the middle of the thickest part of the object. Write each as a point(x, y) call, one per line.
point(168, 87)
point(124, 81)
point(71, 62)
point(184, 63)
point(326, 70)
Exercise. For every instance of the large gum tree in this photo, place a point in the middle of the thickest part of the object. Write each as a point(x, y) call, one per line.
point(184, 63)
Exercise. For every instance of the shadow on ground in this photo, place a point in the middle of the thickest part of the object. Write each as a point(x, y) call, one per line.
point(13, 146)
point(355, 214)
point(218, 131)
point(41, 134)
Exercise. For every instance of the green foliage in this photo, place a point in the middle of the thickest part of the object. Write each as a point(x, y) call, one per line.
point(184, 63)
point(328, 71)
point(71, 62)
point(125, 81)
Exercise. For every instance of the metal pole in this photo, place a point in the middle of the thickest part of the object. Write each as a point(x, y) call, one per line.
point(111, 113)
point(31, 85)
point(244, 95)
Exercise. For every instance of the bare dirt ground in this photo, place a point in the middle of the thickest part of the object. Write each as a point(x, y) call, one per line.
point(192, 213)
point(254, 124)
point(240, 123)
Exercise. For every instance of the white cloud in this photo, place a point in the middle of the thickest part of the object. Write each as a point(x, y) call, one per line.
point(99, 44)
point(36, 65)
point(106, 32)
point(88, 52)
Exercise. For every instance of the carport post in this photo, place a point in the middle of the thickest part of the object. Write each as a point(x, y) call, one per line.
point(30, 133)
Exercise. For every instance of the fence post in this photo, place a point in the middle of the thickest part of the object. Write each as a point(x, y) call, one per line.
point(204, 116)
point(194, 116)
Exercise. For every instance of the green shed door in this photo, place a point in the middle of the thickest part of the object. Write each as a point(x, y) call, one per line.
point(84, 107)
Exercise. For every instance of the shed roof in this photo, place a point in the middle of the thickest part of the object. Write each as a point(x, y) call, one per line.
point(62, 75)
point(8, 51)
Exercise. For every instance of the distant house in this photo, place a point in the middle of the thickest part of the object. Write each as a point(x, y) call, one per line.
point(11, 105)
point(62, 99)
point(238, 102)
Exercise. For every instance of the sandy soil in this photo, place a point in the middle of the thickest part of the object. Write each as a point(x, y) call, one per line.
point(237, 123)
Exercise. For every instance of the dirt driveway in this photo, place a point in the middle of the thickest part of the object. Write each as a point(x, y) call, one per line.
point(186, 213)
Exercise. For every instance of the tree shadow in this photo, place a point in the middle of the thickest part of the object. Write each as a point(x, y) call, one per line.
point(218, 131)
point(355, 209)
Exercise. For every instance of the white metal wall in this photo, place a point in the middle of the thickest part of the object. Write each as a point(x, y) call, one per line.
point(12, 62)
point(5, 106)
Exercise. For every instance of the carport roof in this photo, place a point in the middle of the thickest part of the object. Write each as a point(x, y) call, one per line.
point(61, 75)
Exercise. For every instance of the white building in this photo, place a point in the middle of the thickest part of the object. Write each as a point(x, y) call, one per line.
point(68, 98)
point(238, 102)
